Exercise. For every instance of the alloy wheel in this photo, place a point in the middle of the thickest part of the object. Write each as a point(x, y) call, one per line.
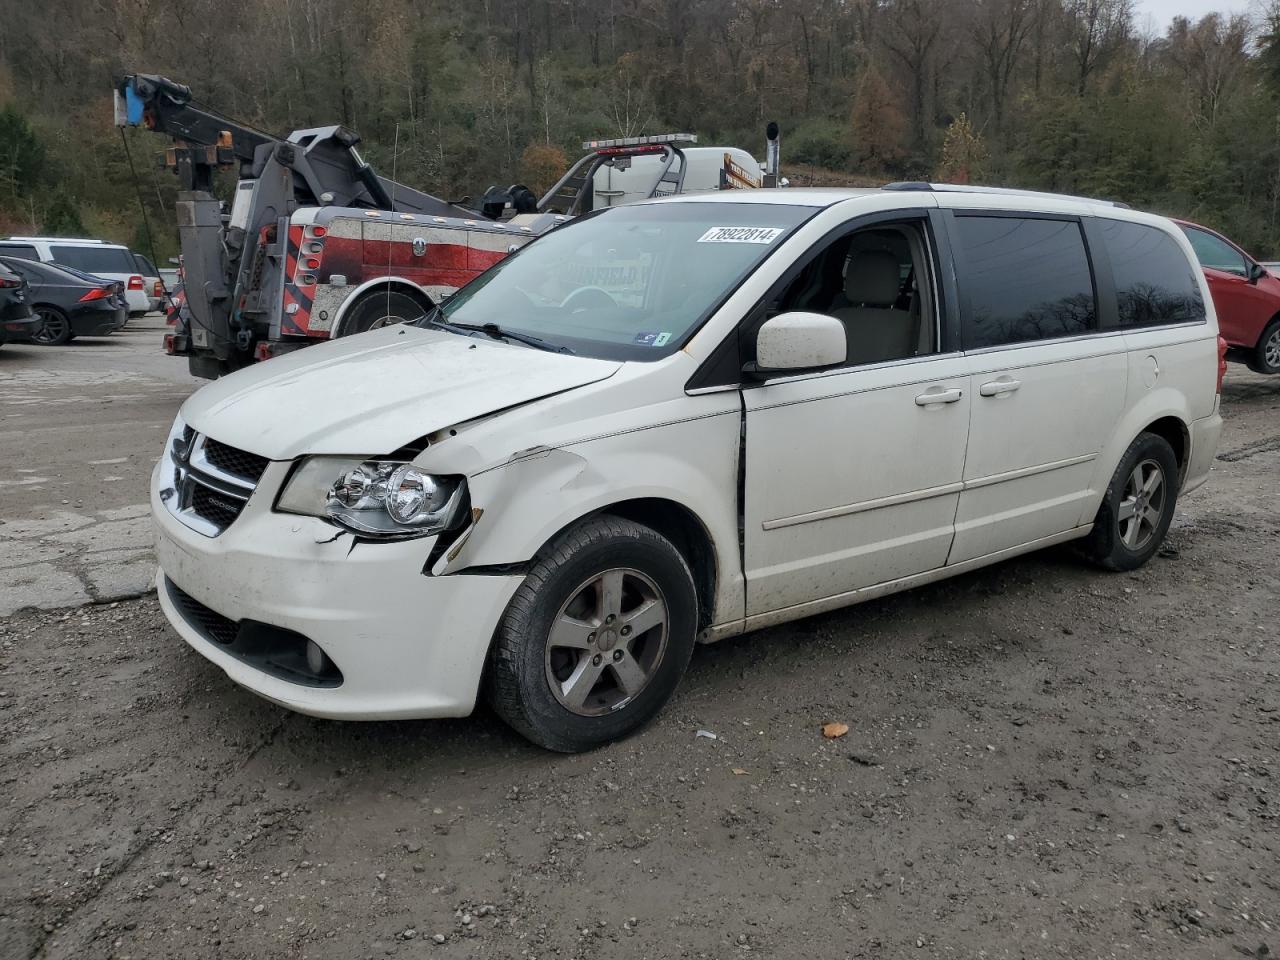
point(53, 327)
point(606, 642)
point(1271, 350)
point(1141, 505)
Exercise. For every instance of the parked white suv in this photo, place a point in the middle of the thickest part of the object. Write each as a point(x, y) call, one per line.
point(111, 261)
point(677, 421)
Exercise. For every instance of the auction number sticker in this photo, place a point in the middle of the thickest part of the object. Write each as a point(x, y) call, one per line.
point(741, 235)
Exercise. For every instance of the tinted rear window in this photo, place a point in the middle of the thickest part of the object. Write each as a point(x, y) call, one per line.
point(146, 266)
point(95, 259)
point(1023, 279)
point(26, 253)
point(1154, 280)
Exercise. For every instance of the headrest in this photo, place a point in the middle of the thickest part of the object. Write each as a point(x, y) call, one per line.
point(873, 278)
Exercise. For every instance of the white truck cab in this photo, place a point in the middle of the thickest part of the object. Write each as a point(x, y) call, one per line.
point(675, 421)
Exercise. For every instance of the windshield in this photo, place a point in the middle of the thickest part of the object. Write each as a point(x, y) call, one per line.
point(94, 259)
point(629, 283)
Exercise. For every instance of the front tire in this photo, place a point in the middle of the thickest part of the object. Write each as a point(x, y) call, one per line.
point(596, 639)
point(54, 329)
point(1266, 355)
point(381, 308)
point(1138, 506)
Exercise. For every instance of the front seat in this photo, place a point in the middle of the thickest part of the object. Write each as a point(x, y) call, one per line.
point(874, 330)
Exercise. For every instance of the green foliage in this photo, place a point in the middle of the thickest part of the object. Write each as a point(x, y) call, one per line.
point(818, 143)
point(21, 154)
point(964, 153)
point(448, 95)
point(62, 218)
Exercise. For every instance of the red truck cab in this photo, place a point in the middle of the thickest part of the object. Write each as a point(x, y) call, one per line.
point(1246, 296)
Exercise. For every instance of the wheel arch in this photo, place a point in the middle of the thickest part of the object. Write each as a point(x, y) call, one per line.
point(670, 518)
point(377, 285)
point(687, 533)
point(1257, 344)
point(1178, 435)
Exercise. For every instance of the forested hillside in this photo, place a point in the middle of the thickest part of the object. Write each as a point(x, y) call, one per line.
point(1066, 95)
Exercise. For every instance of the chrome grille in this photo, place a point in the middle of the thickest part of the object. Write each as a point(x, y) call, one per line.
point(211, 482)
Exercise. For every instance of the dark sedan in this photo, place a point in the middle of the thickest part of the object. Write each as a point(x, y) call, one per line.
point(17, 321)
point(70, 303)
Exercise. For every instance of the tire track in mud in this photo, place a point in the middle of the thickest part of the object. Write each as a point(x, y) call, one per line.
point(105, 880)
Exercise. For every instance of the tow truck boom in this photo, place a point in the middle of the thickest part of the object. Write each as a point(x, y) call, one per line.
point(327, 168)
point(235, 263)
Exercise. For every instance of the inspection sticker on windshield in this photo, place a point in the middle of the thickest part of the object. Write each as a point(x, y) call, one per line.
point(654, 339)
point(741, 235)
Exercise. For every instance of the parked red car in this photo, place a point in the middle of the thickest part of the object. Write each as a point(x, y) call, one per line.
point(1246, 295)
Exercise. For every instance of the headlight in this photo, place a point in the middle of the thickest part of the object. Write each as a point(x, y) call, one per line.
point(381, 498)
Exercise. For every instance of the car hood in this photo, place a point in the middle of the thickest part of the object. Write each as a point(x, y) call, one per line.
point(370, 394)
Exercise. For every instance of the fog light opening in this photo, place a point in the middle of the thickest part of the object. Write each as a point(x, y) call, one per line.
point(318, 661)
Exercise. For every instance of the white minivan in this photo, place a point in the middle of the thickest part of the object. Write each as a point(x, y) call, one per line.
point(110, 261)
point(676, 421)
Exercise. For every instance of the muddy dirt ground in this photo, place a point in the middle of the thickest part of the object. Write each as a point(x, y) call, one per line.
point(1043, 761)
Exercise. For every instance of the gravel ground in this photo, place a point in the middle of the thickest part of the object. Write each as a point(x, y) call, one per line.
point(80, 428)
point(1042, 761)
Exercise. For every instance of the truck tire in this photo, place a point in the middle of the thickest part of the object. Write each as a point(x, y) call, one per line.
point(1265, 357)
point(596, 639)
point(381, 308)
point(1137, 508)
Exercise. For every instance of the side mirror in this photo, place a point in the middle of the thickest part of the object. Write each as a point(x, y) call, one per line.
point(799, 341)
point(1256, 272)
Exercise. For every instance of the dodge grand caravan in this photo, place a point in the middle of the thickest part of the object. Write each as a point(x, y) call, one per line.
point(680, 420)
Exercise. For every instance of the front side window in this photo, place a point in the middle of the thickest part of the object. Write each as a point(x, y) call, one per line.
point(1023, 279)
point(877, 282)
point(95, 260)
point(628, 283)
point(1154, 281)
point(1214, 253)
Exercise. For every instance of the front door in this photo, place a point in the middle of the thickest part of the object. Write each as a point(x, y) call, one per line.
point(852, 476)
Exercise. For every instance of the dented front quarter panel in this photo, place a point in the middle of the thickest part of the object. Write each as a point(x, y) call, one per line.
point(534, 471)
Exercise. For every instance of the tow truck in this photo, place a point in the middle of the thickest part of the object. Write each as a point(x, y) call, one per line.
point(317, 245)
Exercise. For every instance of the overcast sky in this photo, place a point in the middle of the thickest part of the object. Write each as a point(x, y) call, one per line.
point(1163, 11)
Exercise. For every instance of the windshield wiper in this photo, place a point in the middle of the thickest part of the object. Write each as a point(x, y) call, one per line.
point(498, 333)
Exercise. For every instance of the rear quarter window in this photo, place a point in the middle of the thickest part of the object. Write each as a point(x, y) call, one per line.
point(95, 260)
point(1023, 279)
point(1155, 282)
point(25, 253)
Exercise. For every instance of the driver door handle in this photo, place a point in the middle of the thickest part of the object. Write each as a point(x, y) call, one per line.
point(930, 397)
point(998, 388)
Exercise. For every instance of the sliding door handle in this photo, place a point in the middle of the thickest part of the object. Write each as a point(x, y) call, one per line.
point(998, 388)
point(936, 395)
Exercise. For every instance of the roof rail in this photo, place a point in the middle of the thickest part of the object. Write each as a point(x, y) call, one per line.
point(922, 187)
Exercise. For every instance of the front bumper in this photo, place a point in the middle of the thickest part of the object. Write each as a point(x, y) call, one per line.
point(407, 645)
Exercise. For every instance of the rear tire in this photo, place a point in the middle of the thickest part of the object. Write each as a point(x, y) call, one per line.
point(54, 329)
point(1265, 357)
point(596, 639)
point(1138, 506)
point(381, 308)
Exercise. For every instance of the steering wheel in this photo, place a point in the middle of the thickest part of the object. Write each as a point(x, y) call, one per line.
point(588, 298)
